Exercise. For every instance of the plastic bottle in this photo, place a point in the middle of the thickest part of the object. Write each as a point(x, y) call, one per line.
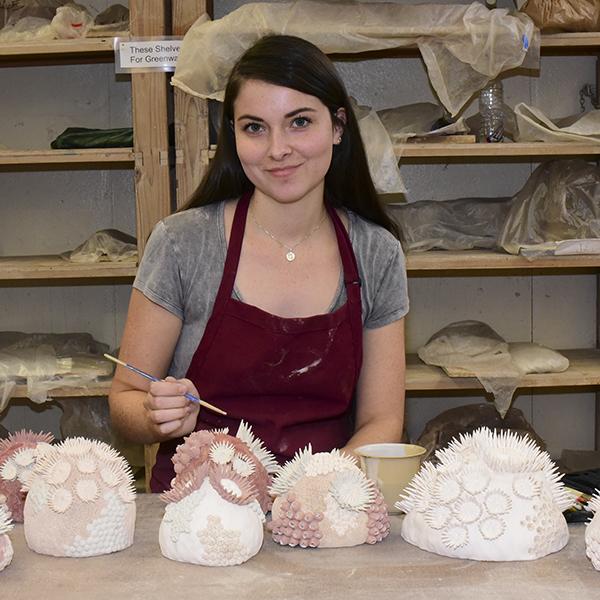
point(491, 109)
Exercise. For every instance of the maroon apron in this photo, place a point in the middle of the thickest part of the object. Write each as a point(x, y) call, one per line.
point(291, 379)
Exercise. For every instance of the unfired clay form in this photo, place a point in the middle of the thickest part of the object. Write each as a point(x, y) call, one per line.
point(217, 500)
point(324, 500)
point(17, 458)
point(6, 549)
point(493, 496)
point(80, 501)
point(592, 532)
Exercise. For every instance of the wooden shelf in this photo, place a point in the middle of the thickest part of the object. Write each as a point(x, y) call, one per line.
point(589, 39)
point(583, 371)
point(474, 260)
point(54, 267)
point(87, 48)
point(96, 388)
point(95, 156)
point(493, 151)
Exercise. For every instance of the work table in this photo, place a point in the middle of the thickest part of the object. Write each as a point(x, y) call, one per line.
point(392, 569)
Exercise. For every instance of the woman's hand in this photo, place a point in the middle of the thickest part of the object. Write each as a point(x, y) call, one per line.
point(169, 412)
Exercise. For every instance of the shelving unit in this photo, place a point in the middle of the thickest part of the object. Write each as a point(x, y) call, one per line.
point(148, 158)
point(584, 372)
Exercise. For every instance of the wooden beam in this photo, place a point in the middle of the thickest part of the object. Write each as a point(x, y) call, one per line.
point(150, 126)
point(191, 113)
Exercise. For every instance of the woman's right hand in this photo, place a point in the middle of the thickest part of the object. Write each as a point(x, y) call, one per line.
point(170, 413)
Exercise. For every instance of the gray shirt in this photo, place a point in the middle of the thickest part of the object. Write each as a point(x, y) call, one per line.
point(183, 264)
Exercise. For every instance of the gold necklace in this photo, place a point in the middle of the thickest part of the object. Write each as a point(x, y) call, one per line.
point(290, 255)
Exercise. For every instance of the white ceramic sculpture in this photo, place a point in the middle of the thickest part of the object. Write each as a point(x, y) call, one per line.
point(592, 532)
point(218, 498)
point(6, 549)
point(80, 501)
point(324, 500)
point(492, 496)
point(18, 453)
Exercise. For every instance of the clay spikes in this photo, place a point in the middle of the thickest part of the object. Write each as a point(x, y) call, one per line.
point(324, 500)
point(80, 501)
point(218, 498)
point(492, 496)
point(6, 549)
point(18, 453)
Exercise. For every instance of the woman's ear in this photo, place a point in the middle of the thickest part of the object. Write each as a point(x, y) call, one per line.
point(338, 125)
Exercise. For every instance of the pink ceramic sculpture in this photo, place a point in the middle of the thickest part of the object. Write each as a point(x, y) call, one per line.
point(17, 457)
point(6, 549)
point(324, 500)
point(80, 501)
point(216, 504)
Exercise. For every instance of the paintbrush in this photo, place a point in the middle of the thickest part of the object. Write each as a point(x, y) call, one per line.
point(189, 396)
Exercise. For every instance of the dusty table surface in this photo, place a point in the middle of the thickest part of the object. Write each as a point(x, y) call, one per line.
point(392, 569)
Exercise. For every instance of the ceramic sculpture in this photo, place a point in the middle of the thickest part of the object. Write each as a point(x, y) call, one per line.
point(492, 496)
point(6, 549)
point(592, 532)
point(217, 502)
point(17, 457)
point(324, 500)
point(80, 500)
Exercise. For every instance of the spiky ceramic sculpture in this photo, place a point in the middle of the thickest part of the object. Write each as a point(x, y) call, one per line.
point(592, 532)
point(80, 501)
point(17, 457)
point(324, 500)
point(493, 496)
point(217, 500)
point(6, 549)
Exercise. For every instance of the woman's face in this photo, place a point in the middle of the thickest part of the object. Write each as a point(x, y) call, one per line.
point(284, 140)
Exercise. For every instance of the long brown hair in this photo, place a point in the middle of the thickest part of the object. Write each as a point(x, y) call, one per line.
point(295, 63)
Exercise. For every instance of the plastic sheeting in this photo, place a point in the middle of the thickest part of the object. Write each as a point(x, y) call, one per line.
point(423, 119)
point(107, 245)
point(459, 224)
point(534, 126)
point(46, 20)
point(463, 47)
point(47, 361)
point(560, 201)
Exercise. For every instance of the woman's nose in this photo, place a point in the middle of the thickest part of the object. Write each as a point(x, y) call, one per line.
point(279, 146)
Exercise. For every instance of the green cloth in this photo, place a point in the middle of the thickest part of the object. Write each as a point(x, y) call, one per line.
point(82, 137)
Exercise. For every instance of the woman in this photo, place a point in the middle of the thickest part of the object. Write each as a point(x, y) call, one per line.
point(277, 295)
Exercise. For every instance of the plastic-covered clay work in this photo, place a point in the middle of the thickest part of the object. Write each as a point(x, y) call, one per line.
point(592, 532)
point(492, 496)
point(324, 500)
point(218, 498)
point(458, 224)
point(80, 500)
point(18, 453)
point(106, 245)
point(6, 549)
point(560, 201)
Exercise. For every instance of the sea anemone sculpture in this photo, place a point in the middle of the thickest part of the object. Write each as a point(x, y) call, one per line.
point(592, 532)
point(492, 496)
point(217, 502)
point(324, 500)
point(18, 454)
point(80, 501)
point(6, 549)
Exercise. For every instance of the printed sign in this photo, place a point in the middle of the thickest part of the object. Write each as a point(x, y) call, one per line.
point(138, 56)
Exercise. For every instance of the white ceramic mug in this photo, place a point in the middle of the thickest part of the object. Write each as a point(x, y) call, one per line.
point(391, 467)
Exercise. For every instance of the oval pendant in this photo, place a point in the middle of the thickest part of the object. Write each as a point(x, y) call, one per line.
point(290, 256)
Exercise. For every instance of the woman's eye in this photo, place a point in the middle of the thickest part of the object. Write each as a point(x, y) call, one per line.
point(301, 122)
point(253, 127)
